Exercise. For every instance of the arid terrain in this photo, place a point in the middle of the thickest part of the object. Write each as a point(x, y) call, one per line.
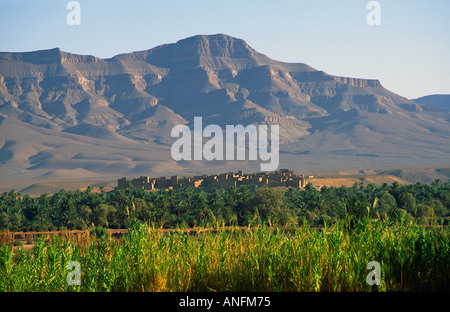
point(329, 178)
point(68, 117)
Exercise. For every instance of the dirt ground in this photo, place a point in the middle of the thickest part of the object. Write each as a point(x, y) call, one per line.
point(349, 181)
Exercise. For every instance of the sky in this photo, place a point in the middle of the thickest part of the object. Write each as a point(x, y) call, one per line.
point(409, 51)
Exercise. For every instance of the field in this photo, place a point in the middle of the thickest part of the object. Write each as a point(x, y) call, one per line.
point(237, 239)
point(335, 258)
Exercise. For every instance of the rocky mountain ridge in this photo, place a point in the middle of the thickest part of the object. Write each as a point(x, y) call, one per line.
point(62, 113)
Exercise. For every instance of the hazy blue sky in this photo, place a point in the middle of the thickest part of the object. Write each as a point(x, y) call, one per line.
point(409, 52)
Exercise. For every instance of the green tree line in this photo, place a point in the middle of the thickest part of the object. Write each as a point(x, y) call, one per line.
point(189, 207)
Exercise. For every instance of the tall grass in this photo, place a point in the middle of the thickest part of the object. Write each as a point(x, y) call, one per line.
point(334, 258)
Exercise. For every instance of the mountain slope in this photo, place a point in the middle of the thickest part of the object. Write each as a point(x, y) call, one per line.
point(112, 117)
point(438, 100)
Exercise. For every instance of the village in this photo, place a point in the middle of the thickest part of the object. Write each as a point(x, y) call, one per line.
point(279, 178)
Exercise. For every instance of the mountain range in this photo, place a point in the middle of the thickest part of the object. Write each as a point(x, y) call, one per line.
point(69, 116)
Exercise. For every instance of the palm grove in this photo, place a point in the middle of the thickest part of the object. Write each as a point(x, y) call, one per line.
point(189, 207)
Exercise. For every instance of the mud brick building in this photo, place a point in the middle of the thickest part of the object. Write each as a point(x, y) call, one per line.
point(282, 177)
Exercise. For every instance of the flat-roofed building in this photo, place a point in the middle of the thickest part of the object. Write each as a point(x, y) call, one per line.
point(282, 177)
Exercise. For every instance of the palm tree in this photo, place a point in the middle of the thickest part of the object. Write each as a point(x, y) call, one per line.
point(216, 200)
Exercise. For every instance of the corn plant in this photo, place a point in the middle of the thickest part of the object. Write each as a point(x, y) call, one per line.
point(332, 258)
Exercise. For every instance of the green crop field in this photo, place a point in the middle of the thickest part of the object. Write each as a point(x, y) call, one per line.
point(240, 239)
point(333, 258)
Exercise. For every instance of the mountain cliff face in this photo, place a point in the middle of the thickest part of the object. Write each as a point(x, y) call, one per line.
point(111, 117)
